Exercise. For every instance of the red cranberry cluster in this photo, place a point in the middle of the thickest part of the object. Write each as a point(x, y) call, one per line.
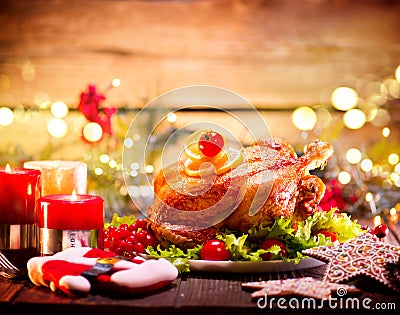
point(128, 240)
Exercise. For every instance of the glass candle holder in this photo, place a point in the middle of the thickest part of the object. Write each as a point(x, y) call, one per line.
point(61, 177)
point(19, 191)
point(66, 221)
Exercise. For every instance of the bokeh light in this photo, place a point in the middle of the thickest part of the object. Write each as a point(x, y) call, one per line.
point(171, 117)
point(393, 158)
point(353, 155)
point(92, 132)
point(149, 169)
point(57, 127)
point(354, 119)
point(104, 158)
point(98, 171)
point(344, 98)
point(386, 132)
point(116, 82)
point(112, 164)
point(304, 118)
point(59, 109)
point(344, 177)
point(397, 73)
point(6, 116)
point(128, 143)
point(382, 118)
point(366, 165)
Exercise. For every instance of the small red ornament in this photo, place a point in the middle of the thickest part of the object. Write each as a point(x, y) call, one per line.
point(381, 231)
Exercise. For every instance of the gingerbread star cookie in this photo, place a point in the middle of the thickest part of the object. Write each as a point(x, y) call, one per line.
point(364, 255)
point(307, 286)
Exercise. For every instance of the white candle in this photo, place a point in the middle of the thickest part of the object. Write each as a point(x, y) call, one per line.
point(61, 177)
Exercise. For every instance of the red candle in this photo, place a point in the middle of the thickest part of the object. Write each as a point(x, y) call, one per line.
point(19, 190)
point(66, 221)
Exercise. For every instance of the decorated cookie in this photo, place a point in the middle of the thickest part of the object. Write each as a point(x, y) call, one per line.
point(364, 255)
point(307, 286)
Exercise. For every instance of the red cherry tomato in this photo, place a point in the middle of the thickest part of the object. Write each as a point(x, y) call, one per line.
point(215, 250)
point(328, 234)
point(211, 143)
point(268, 244)
point(381, 231)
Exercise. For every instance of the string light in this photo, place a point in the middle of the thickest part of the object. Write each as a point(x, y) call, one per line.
point(344, 98)
point(304, 118)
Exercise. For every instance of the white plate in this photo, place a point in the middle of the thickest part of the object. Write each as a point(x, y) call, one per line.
point(252, 267)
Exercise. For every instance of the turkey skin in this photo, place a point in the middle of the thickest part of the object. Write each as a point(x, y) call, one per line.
point(271, 182)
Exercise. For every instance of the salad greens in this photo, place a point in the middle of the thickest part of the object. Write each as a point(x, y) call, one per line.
point(245, 246)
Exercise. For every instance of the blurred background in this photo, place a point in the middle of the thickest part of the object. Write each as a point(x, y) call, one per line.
point(74, 74)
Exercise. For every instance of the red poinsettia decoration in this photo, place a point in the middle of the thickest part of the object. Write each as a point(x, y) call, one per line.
point(333, 196)
point(89, 105)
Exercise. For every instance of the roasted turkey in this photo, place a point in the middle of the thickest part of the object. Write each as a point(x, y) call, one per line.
point(271, 182)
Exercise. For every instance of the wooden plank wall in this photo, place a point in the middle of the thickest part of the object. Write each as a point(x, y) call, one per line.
point(275, 53)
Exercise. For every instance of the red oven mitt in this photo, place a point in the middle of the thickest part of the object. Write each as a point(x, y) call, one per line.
point(87, 270)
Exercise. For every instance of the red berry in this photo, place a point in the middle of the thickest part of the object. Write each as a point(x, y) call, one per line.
point(138, 248)
point(146, 238)
point(368, 229)
point(141, 223)
point(215, 250)
point(381, 231)
point(328, 234)
point(268, 244)
point(211, 143)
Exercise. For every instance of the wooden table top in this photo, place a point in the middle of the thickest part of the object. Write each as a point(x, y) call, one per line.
point(192, 293)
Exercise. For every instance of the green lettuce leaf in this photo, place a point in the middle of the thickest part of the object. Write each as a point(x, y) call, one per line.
point(117, 220)
point(296, 235)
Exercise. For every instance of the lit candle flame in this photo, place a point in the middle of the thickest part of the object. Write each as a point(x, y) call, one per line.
point(8, 168)
point(73, 196)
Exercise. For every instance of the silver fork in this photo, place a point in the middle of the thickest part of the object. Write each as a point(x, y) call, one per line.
point(8, 270)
